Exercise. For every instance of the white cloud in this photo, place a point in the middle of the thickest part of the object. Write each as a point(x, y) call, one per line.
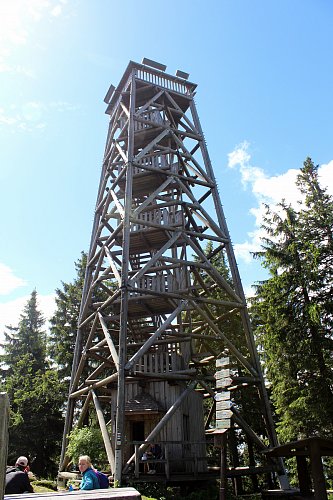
point(8, 280)
point(241, 158)
point(326, 176)
point(18, 22)
point(10, 311)
point(17, 69)
point(30, 116)
point(56, 11)
point(243, 250)
point(269, 190)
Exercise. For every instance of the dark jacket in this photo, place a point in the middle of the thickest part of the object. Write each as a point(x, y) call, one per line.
point(17, 481)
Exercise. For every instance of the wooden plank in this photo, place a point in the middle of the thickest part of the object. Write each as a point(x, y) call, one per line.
point(222, 374)
point(222, 362)
point(101, 494)
point(223, 424)
point(109, 340)
point(223, 382)
point(223, 405)
point(106, 439)
point(222, 396)
point(223, 414)
point(4, 422)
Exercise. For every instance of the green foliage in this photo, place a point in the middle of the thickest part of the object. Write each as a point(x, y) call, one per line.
point(293, 309)
point(87, 441)
point(65, 321)
point(230, 323)
point(188, 491)
point(44, 485)
point(25, 345)
point(33, 388)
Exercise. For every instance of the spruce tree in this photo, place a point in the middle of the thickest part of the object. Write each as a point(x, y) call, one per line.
point(34, 392)
point(65, 321)
point(293, 309)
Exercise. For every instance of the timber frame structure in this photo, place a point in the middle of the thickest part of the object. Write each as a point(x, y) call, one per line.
point(157, 310)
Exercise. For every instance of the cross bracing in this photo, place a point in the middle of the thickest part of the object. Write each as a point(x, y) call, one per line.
point(162, 296)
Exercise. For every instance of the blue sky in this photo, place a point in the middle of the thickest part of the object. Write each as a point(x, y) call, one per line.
point(264, 98)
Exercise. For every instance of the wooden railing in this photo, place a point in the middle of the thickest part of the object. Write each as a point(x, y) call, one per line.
point(166, 459)
point(163, 81)
point(162, 217)
point(158, 161)
point(160, 362)
point(162, 283)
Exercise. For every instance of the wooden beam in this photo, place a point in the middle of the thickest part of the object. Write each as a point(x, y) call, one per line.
point(106, 439)
point(226, 341)
point(155, 336)
point(109, 340)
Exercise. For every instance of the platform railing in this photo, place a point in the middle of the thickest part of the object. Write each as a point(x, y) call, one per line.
point(163, 81)
point(166, 460)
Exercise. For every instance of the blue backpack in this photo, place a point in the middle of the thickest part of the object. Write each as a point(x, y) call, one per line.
point(102, 479)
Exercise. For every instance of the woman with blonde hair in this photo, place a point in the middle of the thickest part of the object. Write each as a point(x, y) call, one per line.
point(89, 478)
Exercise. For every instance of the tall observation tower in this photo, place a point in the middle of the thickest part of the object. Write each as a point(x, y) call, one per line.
point(162, 298)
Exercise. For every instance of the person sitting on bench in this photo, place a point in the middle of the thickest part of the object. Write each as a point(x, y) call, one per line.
point(154, 451)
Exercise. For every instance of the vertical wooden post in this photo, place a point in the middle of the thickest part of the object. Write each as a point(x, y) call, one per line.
point(304, 480)
point(223, 467)
point(237, 480)
point(317, 471)
point(4, 419)
point(120, 425)
point(220, 440)
point(136, 461)
point(167, 463)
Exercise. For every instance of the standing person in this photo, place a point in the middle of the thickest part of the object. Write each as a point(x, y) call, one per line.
point(89, 478)
point(17, 480)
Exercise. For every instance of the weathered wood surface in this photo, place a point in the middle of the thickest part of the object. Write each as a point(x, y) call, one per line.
point(103, 494)
point(4, 418)
point(153, 219)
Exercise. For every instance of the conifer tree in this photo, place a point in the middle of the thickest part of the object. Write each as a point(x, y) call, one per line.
point(34, 392)
point(65, 321)
point(293, 309)
point(27, 340)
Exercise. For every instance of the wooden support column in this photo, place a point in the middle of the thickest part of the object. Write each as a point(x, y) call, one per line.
point(120, 418)
point(105, 434)
point(317, 471)
point(237, 480)
point(4, 419)
point(304, 479)
point(220, 440)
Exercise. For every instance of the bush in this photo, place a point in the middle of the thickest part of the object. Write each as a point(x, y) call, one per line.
point(87, 441)
point(44, 485)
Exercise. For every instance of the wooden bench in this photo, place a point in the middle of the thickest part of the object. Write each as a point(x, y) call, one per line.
point(103, 494)
point(150, 461)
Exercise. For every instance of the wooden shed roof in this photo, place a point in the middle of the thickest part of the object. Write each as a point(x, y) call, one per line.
point(143, 403)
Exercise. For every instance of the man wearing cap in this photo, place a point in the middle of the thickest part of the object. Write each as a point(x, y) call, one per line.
point(17, 481)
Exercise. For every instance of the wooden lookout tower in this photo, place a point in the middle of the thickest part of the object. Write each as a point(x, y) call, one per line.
point(162, 297)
